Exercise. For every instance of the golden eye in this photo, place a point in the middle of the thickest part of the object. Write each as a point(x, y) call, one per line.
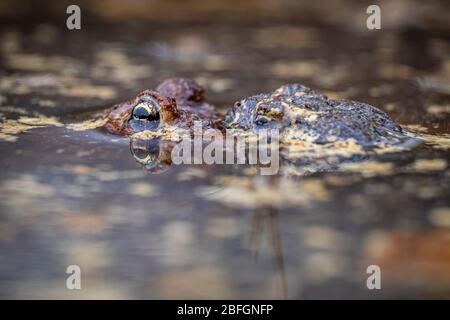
point(145, 111)
point(145, 116)
point(261, 121)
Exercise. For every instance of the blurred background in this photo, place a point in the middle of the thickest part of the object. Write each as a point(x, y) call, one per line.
point(398, 14)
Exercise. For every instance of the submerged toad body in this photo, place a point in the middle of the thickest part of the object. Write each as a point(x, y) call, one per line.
point(175, 104)
point(303, 115)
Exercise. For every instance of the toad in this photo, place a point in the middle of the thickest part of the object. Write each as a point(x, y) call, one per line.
point(175, 104)
point(304, 115)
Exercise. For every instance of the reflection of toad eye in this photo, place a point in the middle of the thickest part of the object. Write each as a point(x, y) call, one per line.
point(146, 152)
point(145, 116)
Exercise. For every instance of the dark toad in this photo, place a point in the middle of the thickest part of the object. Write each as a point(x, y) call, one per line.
point(302, 114)
point(154, 155)
point(176, 103)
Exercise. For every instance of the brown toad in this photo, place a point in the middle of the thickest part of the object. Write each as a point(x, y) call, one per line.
point(176, 103)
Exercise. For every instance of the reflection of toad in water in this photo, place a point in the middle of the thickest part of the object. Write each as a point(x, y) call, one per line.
point(158, 153)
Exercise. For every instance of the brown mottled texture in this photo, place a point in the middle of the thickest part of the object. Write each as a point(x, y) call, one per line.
point(182, 90)
point(180, 102)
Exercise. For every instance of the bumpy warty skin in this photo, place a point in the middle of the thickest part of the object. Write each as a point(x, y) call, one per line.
point(301, 113)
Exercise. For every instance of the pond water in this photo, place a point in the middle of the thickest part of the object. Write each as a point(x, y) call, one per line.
point(78, 197)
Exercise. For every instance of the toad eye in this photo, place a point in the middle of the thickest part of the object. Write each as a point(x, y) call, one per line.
point(146, 111)
point(261, 120)
point(145, 116)
point(268, 113)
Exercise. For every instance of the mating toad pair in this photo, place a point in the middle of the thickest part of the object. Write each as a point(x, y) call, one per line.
point(300, 114)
